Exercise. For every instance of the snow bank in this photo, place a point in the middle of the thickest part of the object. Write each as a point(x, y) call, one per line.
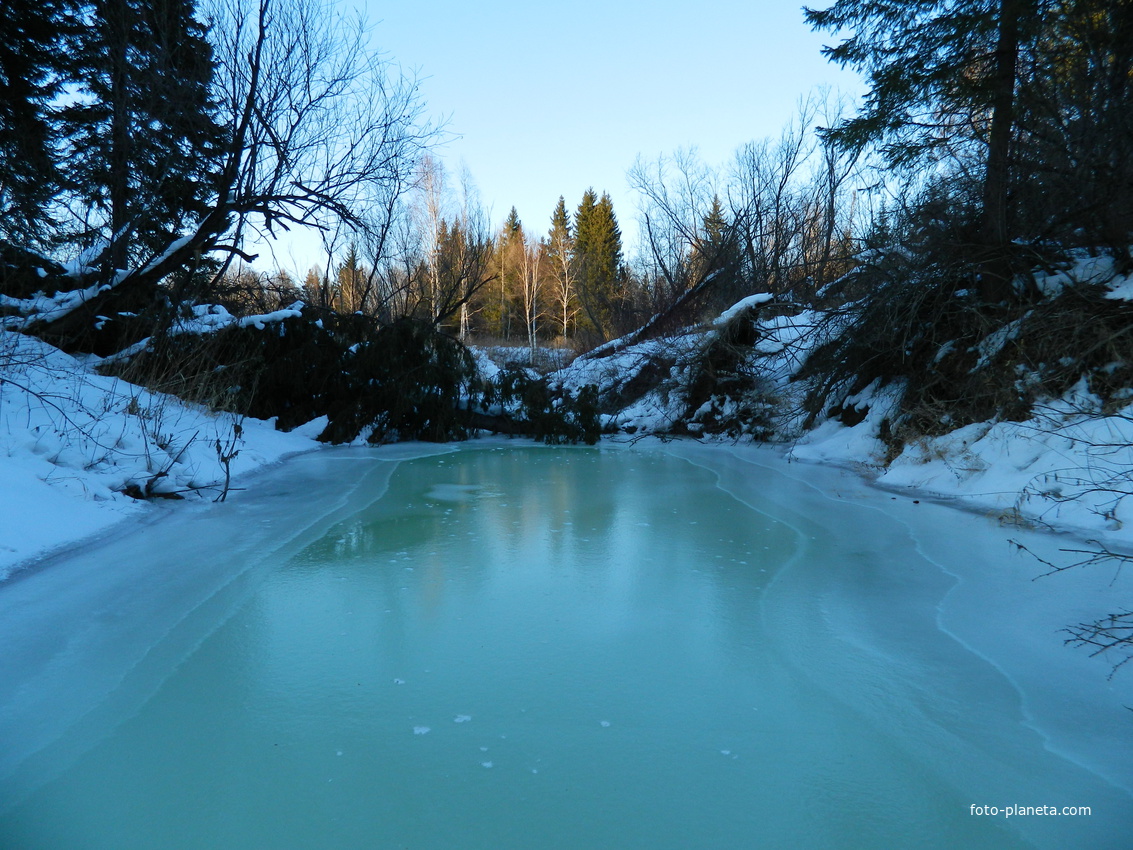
point(73, 441)
point(1068, 467)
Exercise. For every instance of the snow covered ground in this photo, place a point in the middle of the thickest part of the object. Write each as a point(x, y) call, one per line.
point(1068, 468)
point(73, 441)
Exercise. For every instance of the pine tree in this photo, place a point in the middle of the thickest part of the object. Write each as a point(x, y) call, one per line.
point(33, 59)
point(598, 262)
point(938, 70)
point(144, 142)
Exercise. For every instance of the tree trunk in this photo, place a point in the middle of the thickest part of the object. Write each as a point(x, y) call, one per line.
point(119, 24)
point(995, 271)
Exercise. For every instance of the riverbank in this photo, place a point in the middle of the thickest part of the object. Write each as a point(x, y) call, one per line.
point(73, 443)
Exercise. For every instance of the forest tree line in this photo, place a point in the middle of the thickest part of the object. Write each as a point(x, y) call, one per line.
point(778, 218)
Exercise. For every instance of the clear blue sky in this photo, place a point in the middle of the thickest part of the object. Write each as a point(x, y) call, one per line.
point(548, 99)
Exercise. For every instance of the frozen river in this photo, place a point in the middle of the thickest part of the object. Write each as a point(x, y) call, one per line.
point(510, 646)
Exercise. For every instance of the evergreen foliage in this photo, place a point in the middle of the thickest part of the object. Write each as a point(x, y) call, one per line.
point(717, 258)
point(545, 412)
point(1034, 96)
point(38, 36)
point(502, 312)
point(512, 225)
point(928, 64)
point(942, 75)
point(1074, 151)
point(560, 236)
point(598, 263)
point(388, 382)
point(402, 381)
point(351, 291)
point(143, 139)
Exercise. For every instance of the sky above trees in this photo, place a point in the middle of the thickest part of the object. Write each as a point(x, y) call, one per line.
point(551, 99)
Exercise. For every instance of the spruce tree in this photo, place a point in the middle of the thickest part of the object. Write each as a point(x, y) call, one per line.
point(507, 311)
point(598, 262)
point(351, 294)
point(717, 260)
point(144, 141)
point(317, 289)
point(941, 72)
point(33, 61)
point(1075, 115)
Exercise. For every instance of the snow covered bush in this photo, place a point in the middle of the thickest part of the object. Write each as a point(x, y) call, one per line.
point(521, 401)
point(727, 391)
point(402, 381)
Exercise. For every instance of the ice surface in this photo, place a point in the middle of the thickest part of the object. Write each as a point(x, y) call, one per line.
point(879, 664)
point(989, 601)
point(88, 634)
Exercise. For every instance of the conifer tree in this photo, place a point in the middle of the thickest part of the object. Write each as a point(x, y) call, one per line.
point(1075, 114)
point(352, 288)
point(938, 70)
point(512, 225)
point(509, 268)
point(1038, 93)
point(717, 260)
point(316, 288)
point(598, 262)
point(33, 59)
point(144, 142)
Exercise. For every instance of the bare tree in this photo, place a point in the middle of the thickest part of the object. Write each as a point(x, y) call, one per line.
point(769, 206)
point(475, 250)
point(677, 194)
point(322, 132)
point(437, 256)
point(428, 215)
point(685, 255)
point(533, 250)
point(560, 250)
